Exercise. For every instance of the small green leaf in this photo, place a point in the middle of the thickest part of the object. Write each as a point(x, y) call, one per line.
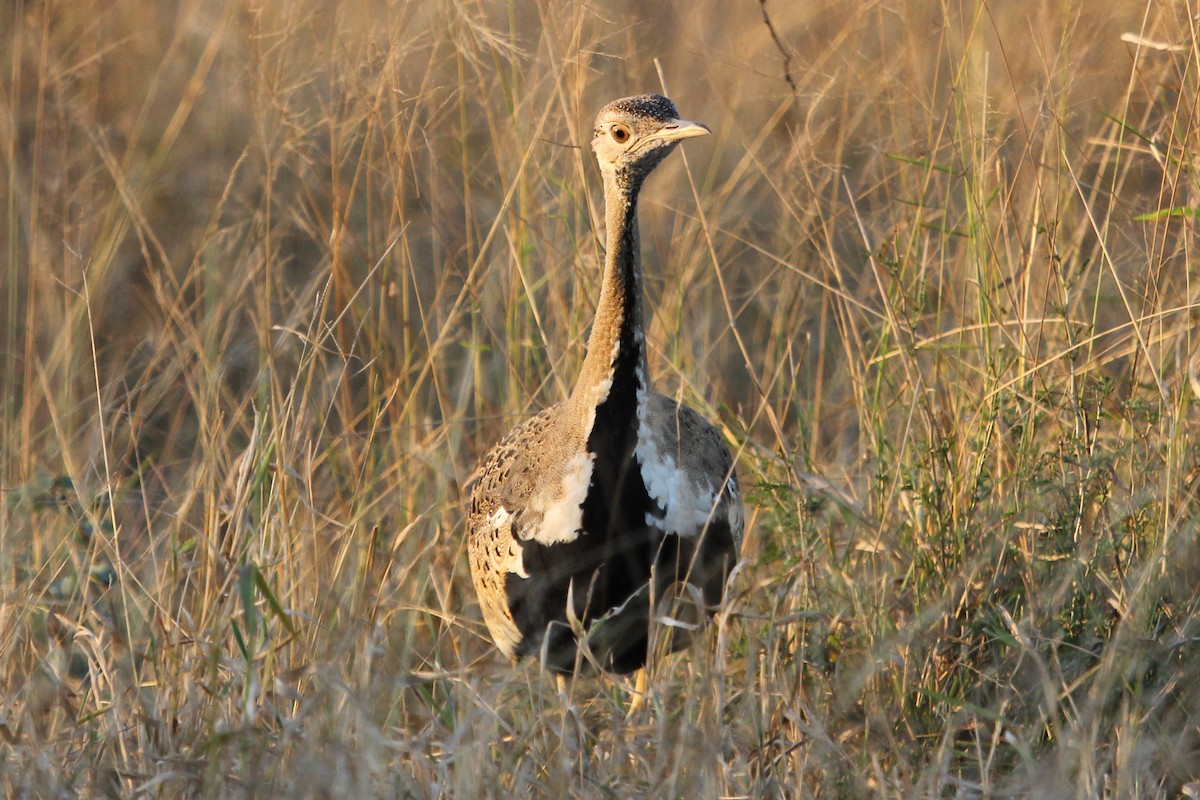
point(276, 608)
point(923, 162)
point(241, 641)
point(986, 713)
point(246, 590)
point(1166, 213)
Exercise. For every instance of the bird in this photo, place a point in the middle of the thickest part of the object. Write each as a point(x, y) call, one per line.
point(589, 516)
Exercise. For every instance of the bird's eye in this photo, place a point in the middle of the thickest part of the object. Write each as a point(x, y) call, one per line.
point(620, 134)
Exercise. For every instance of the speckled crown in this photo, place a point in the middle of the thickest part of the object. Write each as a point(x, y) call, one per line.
point(654, 106)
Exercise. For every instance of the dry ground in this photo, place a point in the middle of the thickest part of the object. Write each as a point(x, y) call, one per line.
point(275, 274)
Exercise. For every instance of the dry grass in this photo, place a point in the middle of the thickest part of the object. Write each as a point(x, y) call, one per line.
point(276, 274)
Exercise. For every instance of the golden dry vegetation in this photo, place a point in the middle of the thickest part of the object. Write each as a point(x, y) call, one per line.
point(275, 274)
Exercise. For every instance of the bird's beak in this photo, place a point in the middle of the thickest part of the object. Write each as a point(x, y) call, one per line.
point(676, 129)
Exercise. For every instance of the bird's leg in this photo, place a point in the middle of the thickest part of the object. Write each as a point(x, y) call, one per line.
point(641, 687)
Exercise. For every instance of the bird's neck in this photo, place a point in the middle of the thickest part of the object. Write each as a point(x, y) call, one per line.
point(615, 366)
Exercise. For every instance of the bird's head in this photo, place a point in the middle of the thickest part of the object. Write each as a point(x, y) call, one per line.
point(635, 133)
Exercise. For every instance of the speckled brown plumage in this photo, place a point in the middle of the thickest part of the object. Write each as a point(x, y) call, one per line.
point(603, 504)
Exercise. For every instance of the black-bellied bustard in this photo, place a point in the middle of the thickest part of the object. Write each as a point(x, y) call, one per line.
point(590, 514)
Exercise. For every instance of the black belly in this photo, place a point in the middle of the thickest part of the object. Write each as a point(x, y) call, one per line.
point(609, 565)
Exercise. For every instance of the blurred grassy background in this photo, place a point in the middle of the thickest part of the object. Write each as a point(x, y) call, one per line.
point(275, 275)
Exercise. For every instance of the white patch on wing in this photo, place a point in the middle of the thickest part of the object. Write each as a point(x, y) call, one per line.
point(688, 507)
point(562, 509)
point(512, 561)
point(737, 514)
point(498, 518)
